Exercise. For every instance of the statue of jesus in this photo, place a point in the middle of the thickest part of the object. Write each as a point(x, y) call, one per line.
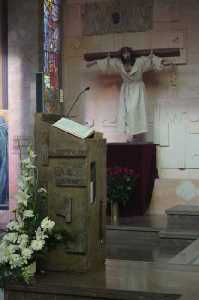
point(132, 117)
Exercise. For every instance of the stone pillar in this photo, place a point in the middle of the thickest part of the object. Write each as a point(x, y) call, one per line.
point(23, 62)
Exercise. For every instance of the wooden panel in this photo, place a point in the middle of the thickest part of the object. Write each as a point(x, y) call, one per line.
point(66, 211)
point(12, 295)
point(75, 221)
point(69, 172)
point(58, 147)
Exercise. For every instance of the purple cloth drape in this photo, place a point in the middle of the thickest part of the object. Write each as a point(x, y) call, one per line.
point(141, 158)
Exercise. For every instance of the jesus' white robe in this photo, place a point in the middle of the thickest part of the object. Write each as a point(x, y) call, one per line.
point(132, 117)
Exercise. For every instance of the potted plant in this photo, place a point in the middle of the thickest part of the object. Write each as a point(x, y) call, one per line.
point(121, 184)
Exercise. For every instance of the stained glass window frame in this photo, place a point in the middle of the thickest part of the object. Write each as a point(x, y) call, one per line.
point(50, 91)
point(4, 168)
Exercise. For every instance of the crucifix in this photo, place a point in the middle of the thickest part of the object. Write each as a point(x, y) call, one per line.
point(130, 65)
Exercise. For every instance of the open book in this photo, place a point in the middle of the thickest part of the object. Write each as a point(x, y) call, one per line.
point(74, 128)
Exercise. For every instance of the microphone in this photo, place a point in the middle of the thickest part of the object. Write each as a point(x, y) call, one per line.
point(76, 100)
point(87, 88)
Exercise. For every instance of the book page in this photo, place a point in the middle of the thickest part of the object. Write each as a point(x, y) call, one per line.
point(74, 128)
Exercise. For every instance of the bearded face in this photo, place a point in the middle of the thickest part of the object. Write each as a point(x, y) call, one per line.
point(127, 56)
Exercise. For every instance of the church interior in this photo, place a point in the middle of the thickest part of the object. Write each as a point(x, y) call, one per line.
point(127, 195)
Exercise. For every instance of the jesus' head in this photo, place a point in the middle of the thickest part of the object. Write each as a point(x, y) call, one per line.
point(127, 56)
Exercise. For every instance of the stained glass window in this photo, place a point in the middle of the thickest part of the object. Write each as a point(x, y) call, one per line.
point(51, 53)
point(4, 186)
point(4, 118)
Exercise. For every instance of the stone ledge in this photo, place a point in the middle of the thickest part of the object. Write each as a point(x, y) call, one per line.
point(76, 291)
point(131, 228)
point(190, 235)
point(190, 210)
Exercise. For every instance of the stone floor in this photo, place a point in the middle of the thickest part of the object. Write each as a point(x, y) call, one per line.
point(154, 277)
point(171, 270)
point(145, 271)
point(120, 279)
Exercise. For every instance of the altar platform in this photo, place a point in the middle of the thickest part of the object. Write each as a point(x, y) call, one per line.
point(117, 280)
point(139, 276)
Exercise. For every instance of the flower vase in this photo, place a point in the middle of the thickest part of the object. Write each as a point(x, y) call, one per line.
point(114, 213)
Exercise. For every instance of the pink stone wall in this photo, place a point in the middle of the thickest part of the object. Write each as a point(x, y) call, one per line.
point(23, 62)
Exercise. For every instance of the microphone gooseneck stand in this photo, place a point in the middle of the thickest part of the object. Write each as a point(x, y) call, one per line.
point(76, 100)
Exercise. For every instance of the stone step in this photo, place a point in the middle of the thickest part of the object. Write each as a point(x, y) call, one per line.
point(146, 243)
point(131, 242)
point(183, 217)
point(174, 241)
point(79, 293)
point(189, 256)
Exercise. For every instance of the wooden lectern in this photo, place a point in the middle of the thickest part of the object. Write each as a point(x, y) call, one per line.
point(74, 172)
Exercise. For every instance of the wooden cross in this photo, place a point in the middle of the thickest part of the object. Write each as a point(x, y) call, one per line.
point(161, 52)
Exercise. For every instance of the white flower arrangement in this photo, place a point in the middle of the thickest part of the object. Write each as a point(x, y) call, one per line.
point(27, 235)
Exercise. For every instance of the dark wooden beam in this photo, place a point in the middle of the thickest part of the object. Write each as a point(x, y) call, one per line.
point(161, 52)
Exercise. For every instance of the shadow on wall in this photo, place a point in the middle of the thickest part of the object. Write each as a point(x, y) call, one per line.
point(101, 103)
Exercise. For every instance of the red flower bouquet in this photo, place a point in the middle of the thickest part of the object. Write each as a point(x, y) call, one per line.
point(121, 183)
